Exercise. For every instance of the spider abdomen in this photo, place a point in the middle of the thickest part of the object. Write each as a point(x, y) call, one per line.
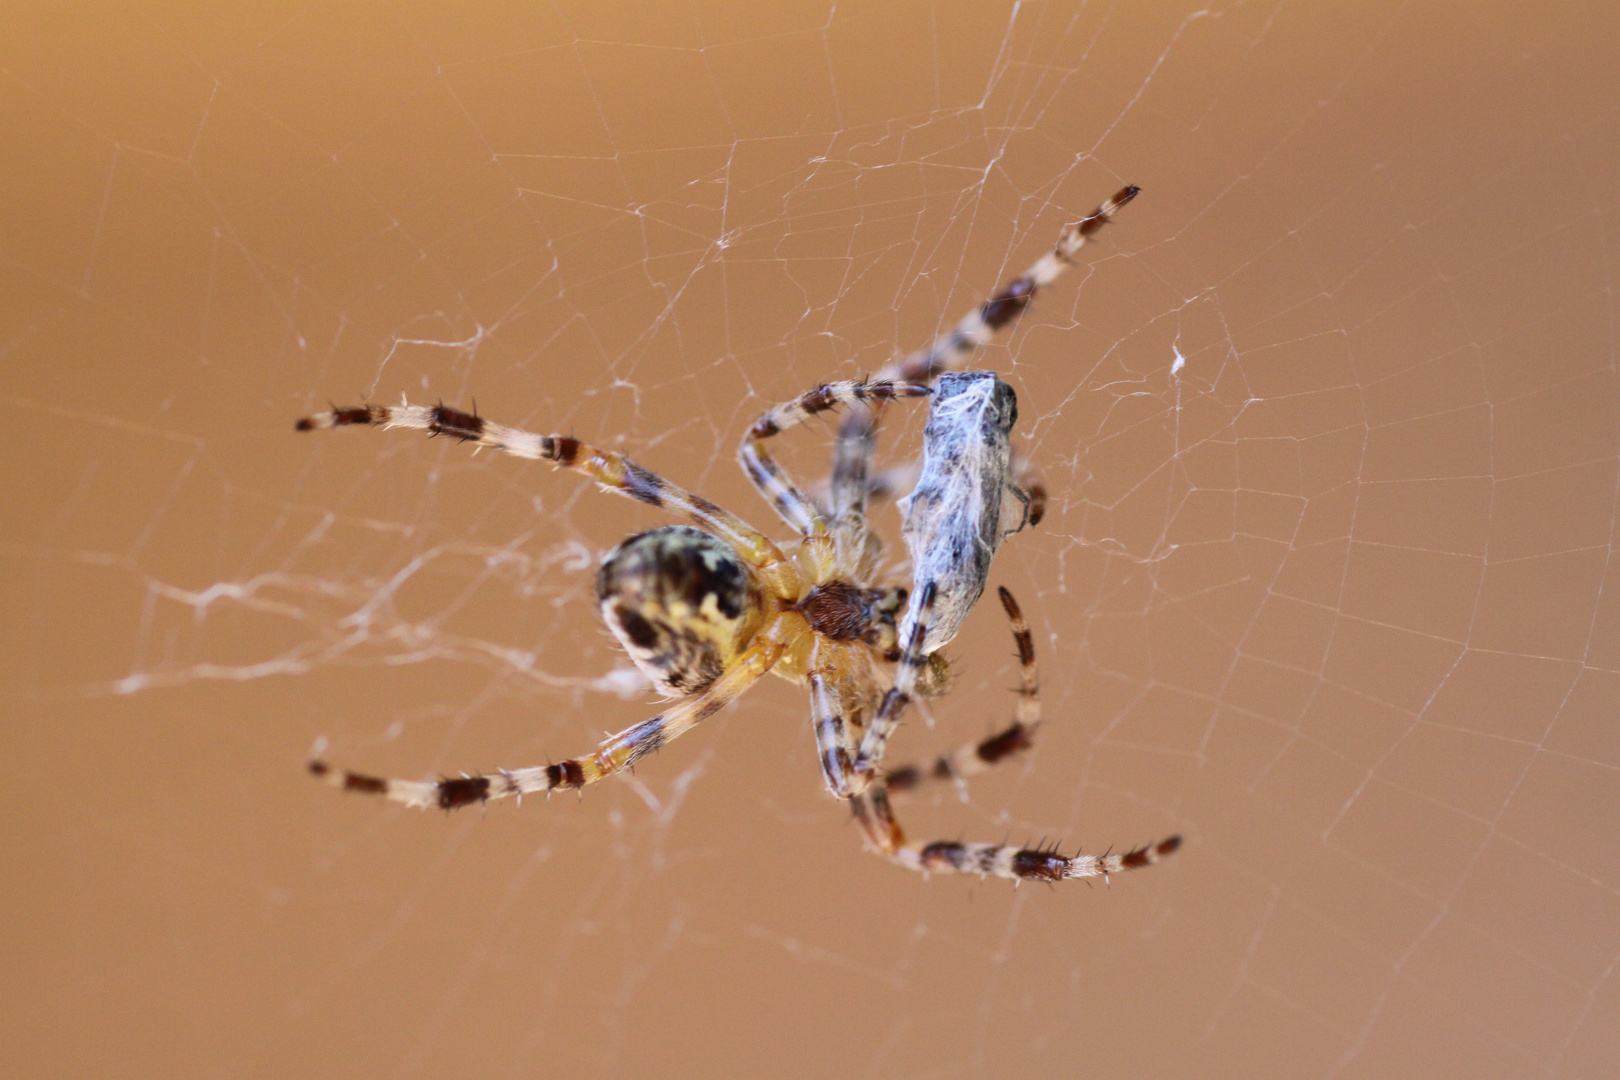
point(682, 603)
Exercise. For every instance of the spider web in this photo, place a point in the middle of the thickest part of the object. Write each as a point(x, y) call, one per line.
point(1329, 418)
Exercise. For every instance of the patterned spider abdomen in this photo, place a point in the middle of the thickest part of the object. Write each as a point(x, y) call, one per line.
point(682, 603)
point(953, 518)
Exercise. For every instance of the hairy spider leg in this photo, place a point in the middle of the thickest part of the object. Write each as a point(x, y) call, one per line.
point(616, 753)
point(835, 711)
point(852, 453)
point(614, 472)
point(911, 664)
point(950, 350)
point(832, 735)
point(884, 834)
point(973, 758)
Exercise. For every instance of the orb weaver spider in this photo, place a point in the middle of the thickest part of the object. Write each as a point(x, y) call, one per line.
point(708, 608)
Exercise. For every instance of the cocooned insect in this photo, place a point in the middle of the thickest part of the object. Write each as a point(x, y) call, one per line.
point(964, 502)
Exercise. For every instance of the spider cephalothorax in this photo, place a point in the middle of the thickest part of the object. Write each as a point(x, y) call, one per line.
point(707, 609)
point(840, 610)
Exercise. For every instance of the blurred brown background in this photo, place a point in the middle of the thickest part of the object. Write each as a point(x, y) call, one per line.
point(1336, 597)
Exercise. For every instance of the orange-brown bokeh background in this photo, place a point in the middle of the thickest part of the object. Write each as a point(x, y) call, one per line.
point(1328, 585)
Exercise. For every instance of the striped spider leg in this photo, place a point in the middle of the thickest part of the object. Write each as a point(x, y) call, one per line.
point(950, 351)
point(703, 610)
point(614, 754)
point(883, 831)
point(973, 758)
point(852, 484)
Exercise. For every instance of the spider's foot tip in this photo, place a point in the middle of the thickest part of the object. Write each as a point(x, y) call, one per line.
point(318, 768)
point(1127, 193)
point(1169, 844)
point(305, 423)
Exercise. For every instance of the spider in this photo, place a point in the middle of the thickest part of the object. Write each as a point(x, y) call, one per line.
point(706, 609)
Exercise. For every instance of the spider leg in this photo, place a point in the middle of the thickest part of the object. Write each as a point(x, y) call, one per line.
point(966, 760)
point(851, 483)
point(834, 710)
point(911, 663)
point(832, 731)
point(615, 754)
point(614, 472)
point(976, 757)
point(950, 351)
point(884, 835)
